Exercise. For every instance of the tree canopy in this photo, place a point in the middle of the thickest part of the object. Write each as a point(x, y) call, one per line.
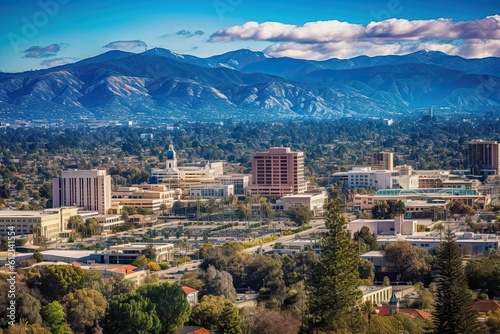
point(453, 310)
point(332, 284)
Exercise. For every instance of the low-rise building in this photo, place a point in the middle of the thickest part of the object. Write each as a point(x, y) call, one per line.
point(314, 201)
point(212, 191)
point(108, 222)
point(240, 182)
point(191, 295)
point(396, 226)
point(376, 294)
point(470, 197)
point(128, 272)
point(48, 223)
point(470, 243)
point(127, 253)
point(145, 196)
point(303, 245)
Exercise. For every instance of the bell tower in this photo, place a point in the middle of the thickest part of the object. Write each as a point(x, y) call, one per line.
point(171, 158)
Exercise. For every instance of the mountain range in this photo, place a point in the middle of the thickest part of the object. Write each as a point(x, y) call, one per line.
point(160, 84)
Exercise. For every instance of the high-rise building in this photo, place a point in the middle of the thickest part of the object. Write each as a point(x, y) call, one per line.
point(86, 189)
point(483, 157)
point(383, 160)
point(278, 172)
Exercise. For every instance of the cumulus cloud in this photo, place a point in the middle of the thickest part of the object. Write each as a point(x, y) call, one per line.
point(127, 45)
point(42, 52)
point(185, 34)
point(335, 39)
point(54, 62)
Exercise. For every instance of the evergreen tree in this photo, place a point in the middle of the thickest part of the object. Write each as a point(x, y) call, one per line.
point(332, 283)
point(230, 321)
point(172, 307)
point(453, 310)
point(132, 314)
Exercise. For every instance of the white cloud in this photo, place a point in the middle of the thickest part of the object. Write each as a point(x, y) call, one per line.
point(127, 45)
point(42, 51)
point(54, 62)
point(335, 39)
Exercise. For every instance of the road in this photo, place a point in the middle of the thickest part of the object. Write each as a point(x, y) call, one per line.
point(317, 223)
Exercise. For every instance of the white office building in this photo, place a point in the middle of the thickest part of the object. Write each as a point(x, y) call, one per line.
point(212, 191)
point(239, 181)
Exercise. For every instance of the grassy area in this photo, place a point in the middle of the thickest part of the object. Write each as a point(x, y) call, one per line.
point(267, 239)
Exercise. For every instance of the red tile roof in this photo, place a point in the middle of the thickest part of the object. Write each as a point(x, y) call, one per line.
point(486, 305)
point(414, 313)
point(128, 269)
point(201, 331)
point(188, 290)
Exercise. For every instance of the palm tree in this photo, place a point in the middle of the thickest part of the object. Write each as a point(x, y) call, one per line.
point(439, 227)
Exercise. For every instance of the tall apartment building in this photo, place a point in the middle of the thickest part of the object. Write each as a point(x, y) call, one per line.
point(483, 157)
point(86, 189)
point(279, 172)
point(383, 160)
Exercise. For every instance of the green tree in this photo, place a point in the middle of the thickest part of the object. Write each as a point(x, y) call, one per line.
point(366, 241)
point(53, 315)
point(216, 313)
point(265, 274)
point(366, 269)
point(85, 308)
point(141, 261)
point(332, 284)
point(55, 281)
point(388, 209)
point(92, 227)
point(219, 283)
point(484, 274)
point(410, 262)
point(170, 302)
point(163, 207)
point(150, 253)
point(131, 314)
point(192, 280)
point(75, 223)
point(459, 207)
point(453, 308)
point(37, 256)
point(230, 321)
point(300, 215)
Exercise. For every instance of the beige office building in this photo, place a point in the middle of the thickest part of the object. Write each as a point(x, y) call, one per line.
point(86, 189)
point(48, 223)
point(383, 160)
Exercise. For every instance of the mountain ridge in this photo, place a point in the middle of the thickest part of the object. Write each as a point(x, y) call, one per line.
point(244, 84)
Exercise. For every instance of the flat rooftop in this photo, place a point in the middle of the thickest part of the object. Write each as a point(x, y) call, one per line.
point(28, 214)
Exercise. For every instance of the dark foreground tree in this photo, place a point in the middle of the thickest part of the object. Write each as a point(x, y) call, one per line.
point(132, 314)
point(170, 303)
point(453, 310)
point(332, 283)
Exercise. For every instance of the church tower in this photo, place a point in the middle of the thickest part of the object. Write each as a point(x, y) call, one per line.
point(393, 305)
point(171, 159)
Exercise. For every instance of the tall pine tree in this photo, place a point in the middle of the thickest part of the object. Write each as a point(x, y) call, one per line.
point(332, 284)
point(453, 309)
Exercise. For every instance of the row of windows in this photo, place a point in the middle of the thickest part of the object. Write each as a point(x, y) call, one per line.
point(19, 220)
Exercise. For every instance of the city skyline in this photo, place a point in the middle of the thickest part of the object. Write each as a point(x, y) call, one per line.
point(46, 33)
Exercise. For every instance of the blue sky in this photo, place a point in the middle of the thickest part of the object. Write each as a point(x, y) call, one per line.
point(44, 33)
